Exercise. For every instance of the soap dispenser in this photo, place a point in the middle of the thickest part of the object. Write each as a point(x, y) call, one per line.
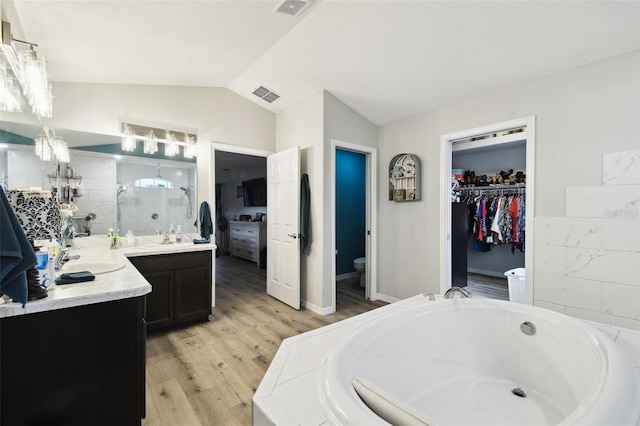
point(131, 239)
point(179, 235)
point(172, 234)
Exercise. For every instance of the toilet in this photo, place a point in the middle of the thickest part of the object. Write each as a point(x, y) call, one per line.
point(360, 265)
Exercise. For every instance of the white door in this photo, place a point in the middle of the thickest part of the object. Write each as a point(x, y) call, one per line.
point(283, 226)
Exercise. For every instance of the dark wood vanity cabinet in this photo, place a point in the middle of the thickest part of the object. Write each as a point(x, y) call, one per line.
point(81, 365)
point(181, 285)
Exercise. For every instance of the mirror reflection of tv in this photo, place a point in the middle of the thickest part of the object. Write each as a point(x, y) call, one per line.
point(254, 192)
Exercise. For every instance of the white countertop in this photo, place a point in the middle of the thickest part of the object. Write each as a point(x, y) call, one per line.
point(121, 284)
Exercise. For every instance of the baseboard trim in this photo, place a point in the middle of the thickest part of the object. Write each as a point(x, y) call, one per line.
point(387, 298)
point(317, 309)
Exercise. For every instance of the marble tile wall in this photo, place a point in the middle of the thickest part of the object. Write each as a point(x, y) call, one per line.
point(587, 264)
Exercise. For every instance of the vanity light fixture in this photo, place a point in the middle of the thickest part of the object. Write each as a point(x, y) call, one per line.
point(43, 149)
point(29, 69)
point(189, 150)
point(150, 143)
point(171, 146)
point(51, 146)
point(132, 133)
point(128, 139)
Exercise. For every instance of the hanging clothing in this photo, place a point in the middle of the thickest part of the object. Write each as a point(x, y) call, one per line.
point(305, 212)
point(16, 253)
point(206, 225)
point(497, 219)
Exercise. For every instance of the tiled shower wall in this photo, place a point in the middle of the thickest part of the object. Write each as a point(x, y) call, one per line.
point(97, 185)
point(587, 264)
point(171, 206)
point(97, 190)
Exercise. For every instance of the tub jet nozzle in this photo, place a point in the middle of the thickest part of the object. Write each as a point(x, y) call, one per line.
point(519, 392)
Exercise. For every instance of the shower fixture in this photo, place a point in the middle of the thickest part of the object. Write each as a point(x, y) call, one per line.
point(188, 192)
point(120, 189)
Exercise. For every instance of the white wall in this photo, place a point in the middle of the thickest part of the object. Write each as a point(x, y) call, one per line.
point(216, 114)
point(312, 123)
point(302, 125)
point(344, 124)
point(580, 114)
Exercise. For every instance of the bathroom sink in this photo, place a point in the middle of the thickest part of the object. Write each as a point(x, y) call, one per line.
point(97, 267)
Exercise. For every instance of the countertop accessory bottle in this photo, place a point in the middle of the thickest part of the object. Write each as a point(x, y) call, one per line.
point(172, 234)
point(131, 239)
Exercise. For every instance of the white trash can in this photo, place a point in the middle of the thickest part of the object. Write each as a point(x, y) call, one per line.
point(517, 285)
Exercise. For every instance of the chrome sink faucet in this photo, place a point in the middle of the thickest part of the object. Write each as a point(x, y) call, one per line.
point(453, 290)
point(63, 257)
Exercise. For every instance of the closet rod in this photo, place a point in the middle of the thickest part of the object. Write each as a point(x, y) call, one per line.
point(501, 189)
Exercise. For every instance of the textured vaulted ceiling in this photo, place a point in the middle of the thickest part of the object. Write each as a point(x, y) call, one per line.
point(389, 60)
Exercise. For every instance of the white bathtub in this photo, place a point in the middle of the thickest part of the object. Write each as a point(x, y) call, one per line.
point(456, 362)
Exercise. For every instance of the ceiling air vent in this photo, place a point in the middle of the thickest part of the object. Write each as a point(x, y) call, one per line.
point(292, 7)
point(266, 94)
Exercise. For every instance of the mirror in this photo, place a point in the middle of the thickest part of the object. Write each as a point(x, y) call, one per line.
point(100, 180)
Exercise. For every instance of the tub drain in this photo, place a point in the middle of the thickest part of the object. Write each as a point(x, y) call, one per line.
point(519, 392)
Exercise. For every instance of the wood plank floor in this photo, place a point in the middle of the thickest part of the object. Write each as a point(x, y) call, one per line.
point(207, 374)
point(486, 286)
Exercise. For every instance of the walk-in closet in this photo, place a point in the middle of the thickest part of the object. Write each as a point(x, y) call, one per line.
point(488, 205)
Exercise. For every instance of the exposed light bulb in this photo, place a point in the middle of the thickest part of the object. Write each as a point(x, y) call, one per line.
point(128, 139)
point(150, 143)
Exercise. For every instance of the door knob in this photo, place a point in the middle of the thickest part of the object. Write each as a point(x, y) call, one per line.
point(294, 236)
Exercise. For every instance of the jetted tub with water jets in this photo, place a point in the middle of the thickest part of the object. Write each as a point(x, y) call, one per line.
point(480, 362)
point(425, 360)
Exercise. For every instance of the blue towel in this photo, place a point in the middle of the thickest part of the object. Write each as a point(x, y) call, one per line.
point(305, 210)
point(206, 225)
point(16, 254)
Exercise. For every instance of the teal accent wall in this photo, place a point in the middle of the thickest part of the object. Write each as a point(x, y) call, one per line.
point(12, 138)
point(138, 152)
point(350, 209)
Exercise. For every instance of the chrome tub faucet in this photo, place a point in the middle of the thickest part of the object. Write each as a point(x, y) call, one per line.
point(453, 290)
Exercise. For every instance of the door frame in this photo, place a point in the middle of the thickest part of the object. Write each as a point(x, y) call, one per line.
point(211, 177)
point(371, 221)
point(446, 152)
